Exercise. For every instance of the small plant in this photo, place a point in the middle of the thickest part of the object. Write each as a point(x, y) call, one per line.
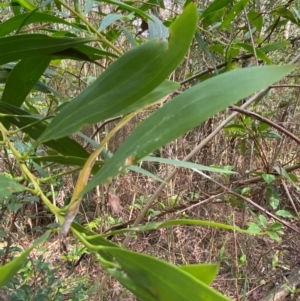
point(261, 225)
point(39, 281)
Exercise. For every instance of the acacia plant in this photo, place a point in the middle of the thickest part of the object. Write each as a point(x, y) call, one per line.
point(36, 40)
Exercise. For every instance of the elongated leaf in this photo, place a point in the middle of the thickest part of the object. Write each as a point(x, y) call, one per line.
point(176, 222)
point(109, 19)
point(275, 46)
point(127, 80)
point(9, 186)
point(260, 54)
point(32, 45)
point(47, 71)
point(186, 164)
point(156, 95)
point(215, 17)
point(157, 30)
point(206, 51)
point(215, 6)
point(10, 269)
point(185, 112)
point(235, 12)
point(203, 272)
point(34, 127)
point(15, 22)
point(126, 7)
point(144, 172)
point(285, 13)
point(83, 53)
point(65, 160)
point(27, 5)
point(256, 19)
point(7, 4)
point(154, 280)
point(129, 36)
point(23, 76)
point(106, 154)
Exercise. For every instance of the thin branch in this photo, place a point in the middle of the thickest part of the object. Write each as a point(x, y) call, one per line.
point(247, 200)
point(285, 86)
point(265, 120)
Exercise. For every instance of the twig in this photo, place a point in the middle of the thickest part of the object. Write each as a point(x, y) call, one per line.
point(290, 197)
point(265, 120)
point(247, 200)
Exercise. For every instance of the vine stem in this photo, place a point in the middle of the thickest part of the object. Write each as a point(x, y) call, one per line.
point(84, 175)
point(37, 190)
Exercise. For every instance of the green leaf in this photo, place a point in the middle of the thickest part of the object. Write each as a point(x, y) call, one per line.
point(274, 202)
point(275, 46)
point(139, 274)
point(273, 196)
point(215, 6)
point(27, 5)
point(126, 7)
point(129, 36)
point(235, 12)
point(289, 176)
point(214, 17)
point(10, 269)
point(127, 80)
point(206, 51)
point(284, 213)
point(64, 160)
point(203, 272)
point(32, 45)
point(157, 225)
point(35, 127)
point(186, 164)
point(157, 30)
point(9, 186)
point(253, 227)
point(7, 4)
point(154, 96)
point(24, 76)
point(260, 54)
point(275, 226)
point(268, 178)
point(85, 52)
point(14, 206)
point(185, 112)
point(256, 19)
point(15, 22)
point(263, 220)
point(271, 134)
point(145, 173)
point(273, 235)
point(109, 19)
point(218, 49)
point(285, 13)
point(294, 178)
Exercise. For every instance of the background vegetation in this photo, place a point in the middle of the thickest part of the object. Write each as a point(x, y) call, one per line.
point(163, 135)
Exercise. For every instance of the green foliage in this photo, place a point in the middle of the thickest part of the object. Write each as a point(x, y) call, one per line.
point(37, 135)
point(8, 270)
point(47, 287)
